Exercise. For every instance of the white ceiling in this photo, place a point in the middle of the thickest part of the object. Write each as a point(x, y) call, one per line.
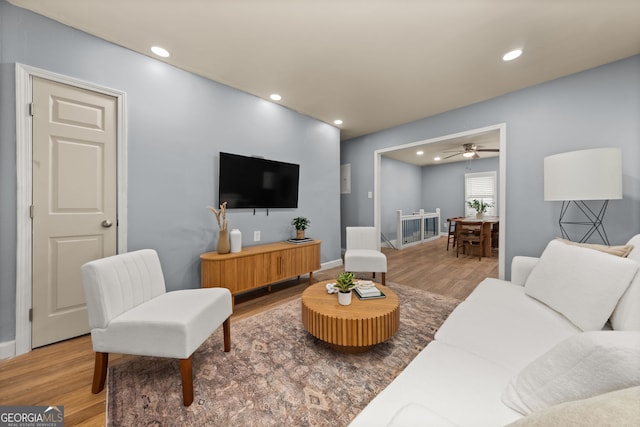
point(373, 63)
point(449, 150)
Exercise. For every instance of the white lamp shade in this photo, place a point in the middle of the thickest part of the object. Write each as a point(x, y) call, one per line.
point(594, 174)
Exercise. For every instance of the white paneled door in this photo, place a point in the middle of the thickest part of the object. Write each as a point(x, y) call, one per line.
point(74, 201)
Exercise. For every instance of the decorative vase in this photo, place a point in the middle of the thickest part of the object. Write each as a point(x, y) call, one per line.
point(236, 240)
point(223, 241)
point(344, 298)
point(299, 234)
point(480, 215)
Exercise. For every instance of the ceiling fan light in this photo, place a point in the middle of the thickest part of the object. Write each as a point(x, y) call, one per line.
point(468, 154)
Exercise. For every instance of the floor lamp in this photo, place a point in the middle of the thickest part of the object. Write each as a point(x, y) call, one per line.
point(579, 176)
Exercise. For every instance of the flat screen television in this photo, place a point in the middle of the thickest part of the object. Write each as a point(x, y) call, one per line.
point(253, 182)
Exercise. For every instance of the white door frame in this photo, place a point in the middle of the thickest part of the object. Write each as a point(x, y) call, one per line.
point(24, 165)
point(502, 191)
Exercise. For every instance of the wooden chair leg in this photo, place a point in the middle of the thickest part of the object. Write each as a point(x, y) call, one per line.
point(384, 279)
point(100, 372)
point(226, 328)
point(187, 380)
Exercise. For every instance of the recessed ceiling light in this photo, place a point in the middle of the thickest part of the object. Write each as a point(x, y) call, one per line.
point(160, 51)
point(337, 122)
point(437, 159)
point(510, 56)
point(419, 152)
point(275, 97)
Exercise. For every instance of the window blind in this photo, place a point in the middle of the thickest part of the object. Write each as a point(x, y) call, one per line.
point(481, 186)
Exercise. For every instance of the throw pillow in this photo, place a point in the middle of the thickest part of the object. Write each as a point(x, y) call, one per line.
point(635, 242)
point(614, 409)
point(583, 366)
point(582, 284)
point(626, 316)
point(622, 251)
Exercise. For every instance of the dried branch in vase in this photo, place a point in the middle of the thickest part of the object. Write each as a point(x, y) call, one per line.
point(221, 215)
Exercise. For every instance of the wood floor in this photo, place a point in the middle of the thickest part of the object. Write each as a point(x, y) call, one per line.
point(61, 374)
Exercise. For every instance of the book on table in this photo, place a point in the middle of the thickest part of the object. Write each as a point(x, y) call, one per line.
point(369, 293)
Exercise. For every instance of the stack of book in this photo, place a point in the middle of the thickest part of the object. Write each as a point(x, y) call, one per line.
point(303, 240)
point(369, 293)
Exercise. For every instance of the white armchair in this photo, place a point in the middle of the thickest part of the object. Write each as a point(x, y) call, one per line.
point(363, 252)
point(130, 312)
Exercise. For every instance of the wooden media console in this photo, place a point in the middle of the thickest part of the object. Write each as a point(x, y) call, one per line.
point(260, 265)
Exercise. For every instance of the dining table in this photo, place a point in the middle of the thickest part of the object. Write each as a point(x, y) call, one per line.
point(487, 223)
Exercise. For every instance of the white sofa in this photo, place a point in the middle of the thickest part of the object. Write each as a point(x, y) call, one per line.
point(501, 340)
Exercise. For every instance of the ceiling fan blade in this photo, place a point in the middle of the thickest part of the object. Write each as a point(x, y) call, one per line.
point(492, 150)
point(448, 157)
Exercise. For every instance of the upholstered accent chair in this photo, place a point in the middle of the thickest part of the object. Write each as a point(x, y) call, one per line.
point(130, 312)
point(363, 252)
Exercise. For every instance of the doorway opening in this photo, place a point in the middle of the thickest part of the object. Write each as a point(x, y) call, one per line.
point(452, 143)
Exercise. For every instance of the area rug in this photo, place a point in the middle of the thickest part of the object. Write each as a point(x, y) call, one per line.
point(276, 373)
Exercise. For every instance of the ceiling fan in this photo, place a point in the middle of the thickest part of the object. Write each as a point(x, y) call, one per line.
point(470, 151)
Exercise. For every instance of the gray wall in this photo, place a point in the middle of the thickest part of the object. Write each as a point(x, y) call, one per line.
point(591, 109)
point(443, 185)
point(400, 188)
point(177, 125)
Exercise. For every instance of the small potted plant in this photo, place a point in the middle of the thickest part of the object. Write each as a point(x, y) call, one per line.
point(480, 207)
point(300, 223)
point(344, 285)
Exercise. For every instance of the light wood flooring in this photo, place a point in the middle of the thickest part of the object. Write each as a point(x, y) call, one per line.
point(61, 374)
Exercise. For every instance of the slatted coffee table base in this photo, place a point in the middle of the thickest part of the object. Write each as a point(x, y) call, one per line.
point(353, 328)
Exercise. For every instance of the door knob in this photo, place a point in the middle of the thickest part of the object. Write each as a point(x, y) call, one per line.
point(106, 223)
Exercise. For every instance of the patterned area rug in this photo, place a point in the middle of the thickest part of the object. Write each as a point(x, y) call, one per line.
point(276, 373)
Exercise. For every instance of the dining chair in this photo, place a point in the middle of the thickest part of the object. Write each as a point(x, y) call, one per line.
point(471, 234)
point(363, 253)
point(451, 236)
point(130, 312)
point(495, 235)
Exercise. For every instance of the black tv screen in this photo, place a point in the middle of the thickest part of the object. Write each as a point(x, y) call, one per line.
point(253, 182)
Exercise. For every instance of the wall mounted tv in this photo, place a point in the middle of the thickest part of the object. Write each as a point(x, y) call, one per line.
point(254, 182)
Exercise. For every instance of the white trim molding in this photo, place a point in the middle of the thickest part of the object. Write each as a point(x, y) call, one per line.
point(7, 349)
point(24, 91)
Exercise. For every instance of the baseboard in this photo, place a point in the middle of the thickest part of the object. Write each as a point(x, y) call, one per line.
point(331, 264)
point(7, 349)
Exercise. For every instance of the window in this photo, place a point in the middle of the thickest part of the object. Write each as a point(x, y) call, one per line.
point(481, 186)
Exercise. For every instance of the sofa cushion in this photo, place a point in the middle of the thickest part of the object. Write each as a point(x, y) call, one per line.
point(614, 409)
point(582, 284)
point(626, 316)
point(499, 323)
point(580, 367)
point(415, 415)
point(454, 384)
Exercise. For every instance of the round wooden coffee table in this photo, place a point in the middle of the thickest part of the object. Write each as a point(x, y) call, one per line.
point(352, 328)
